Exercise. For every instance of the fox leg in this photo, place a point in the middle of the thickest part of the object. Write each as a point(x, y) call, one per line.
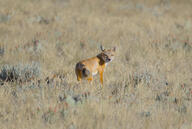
point(101, 76)
point(78, 78)
point(78, 74)
point(90, 79)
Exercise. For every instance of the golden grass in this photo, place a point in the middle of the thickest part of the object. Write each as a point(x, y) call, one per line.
point(148, 85)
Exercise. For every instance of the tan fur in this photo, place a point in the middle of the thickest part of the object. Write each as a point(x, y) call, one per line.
point(86, 69)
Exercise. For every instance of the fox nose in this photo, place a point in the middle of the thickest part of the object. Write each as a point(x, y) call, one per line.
point(109, 59)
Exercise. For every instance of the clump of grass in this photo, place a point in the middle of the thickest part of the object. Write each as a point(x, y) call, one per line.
point(138, 77)
point(39, 19)
point(48, 116)
point(4, 18)
point(2, 51)
point(20, 72)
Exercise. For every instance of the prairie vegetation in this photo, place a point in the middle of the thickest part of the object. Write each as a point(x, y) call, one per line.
point(148, 85)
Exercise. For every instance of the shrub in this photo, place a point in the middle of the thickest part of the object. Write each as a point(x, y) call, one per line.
point(21, 72)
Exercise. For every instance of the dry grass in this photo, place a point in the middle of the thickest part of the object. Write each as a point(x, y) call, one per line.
point(148, 85)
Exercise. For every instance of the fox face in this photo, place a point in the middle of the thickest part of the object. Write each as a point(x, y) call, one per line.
point(107, 55)
point(87, 68)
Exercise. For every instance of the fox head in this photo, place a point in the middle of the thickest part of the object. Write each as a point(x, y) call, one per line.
point(106, 55)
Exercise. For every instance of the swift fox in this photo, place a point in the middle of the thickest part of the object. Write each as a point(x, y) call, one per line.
point(86, 69)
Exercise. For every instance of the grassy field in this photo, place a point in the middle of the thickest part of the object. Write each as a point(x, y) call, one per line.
point(147, 86)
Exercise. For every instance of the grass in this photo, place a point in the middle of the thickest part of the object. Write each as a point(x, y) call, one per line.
point(148, 84)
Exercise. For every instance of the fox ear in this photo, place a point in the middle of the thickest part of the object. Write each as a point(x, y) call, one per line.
point(102, 49)
point(114, 49)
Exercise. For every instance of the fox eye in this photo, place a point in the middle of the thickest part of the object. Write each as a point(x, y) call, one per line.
point(106, 56)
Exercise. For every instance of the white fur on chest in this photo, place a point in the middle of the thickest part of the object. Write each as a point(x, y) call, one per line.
point(94, 73)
